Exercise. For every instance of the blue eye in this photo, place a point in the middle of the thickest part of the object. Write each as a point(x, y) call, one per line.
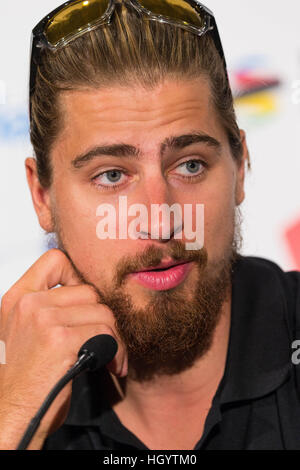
point(113, 175)
point(111, 179)
point(191, 168)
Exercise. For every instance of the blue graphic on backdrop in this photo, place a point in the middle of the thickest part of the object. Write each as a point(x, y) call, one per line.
point(14, 125)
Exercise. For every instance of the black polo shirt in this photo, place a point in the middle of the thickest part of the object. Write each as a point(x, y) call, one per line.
point(257, 403)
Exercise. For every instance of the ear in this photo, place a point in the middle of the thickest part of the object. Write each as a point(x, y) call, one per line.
point(40, 196)
point(240, 190)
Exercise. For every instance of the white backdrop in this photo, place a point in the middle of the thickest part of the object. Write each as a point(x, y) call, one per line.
point(256, 34)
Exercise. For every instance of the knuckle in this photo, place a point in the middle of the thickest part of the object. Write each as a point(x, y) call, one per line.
point(107, 313)
point(42, 316)
point(26, 304)
point(6, 302)
point(56, 255)
point(89, 292)
point(58, 336)
point(105, 308)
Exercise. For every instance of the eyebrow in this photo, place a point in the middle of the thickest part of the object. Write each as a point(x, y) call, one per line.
point(124, 150)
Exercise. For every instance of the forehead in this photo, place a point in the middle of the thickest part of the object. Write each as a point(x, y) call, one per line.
point(144, 116)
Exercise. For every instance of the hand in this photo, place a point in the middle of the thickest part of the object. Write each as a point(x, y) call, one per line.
point(43, 330)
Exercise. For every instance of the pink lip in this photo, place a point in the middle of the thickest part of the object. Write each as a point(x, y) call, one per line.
point(162, 280)
point(162, 265)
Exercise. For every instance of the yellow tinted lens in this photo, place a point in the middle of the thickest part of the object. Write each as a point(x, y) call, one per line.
point(74, 18)
point(175, 10)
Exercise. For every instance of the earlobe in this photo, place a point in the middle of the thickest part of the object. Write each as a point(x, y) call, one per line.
point(40, 196)
point(240, 192)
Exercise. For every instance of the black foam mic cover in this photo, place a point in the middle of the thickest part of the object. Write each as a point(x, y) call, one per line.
point(102, 349)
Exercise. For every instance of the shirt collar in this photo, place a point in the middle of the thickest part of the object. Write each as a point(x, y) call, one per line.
point(258, 359)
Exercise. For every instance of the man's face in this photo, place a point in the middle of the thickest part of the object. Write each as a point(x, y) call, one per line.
point(187, 172)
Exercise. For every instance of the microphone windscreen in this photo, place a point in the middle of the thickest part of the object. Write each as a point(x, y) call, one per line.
point(103, 348)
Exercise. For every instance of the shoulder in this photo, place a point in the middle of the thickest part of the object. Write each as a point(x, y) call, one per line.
point(262, 266)
point(271, 279)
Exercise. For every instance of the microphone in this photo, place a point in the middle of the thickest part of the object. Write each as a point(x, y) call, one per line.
point(94, 354)
point(100, 349)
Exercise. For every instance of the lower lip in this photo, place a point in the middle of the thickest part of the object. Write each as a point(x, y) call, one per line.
point(163, 280)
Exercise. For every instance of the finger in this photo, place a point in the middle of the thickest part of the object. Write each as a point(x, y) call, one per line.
point(79, 315)
point(68, 296)
point(51, 269)
point(89, 316)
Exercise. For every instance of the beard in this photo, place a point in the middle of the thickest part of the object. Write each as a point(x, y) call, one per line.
point(176, 327)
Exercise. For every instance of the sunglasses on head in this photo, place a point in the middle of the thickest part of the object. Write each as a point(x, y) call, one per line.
point(77, 17)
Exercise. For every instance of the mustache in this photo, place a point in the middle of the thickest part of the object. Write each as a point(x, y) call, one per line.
point(153, 256)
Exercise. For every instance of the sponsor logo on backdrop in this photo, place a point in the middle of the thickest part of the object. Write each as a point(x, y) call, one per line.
point(292, 238)
point(255, 87)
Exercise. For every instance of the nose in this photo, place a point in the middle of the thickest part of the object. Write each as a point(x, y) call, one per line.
point(163, 215)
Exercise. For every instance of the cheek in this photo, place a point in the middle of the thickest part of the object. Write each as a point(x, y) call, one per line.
point(219, 217)
point(77, 219)
point(77, 209)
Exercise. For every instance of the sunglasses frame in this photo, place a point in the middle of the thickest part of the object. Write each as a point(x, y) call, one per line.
point(39, 40)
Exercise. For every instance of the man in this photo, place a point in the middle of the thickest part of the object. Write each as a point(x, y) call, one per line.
point(124, 105)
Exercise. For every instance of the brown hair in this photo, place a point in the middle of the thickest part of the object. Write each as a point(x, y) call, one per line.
point(128, 51)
